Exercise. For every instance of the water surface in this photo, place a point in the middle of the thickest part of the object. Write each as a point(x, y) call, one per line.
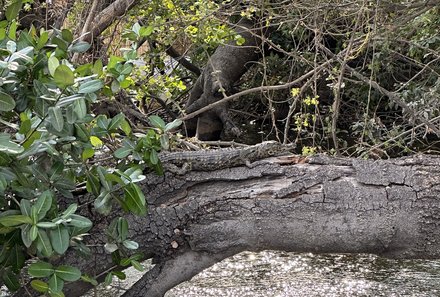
point(271, 273)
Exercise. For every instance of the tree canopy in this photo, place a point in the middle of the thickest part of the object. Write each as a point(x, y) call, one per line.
point(91, 92)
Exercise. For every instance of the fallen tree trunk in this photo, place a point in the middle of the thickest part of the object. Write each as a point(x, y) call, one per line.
point(319, 204)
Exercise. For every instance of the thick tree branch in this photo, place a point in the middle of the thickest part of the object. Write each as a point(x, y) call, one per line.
point(106, 17)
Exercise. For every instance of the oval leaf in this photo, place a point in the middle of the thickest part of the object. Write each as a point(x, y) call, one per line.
point(39, 286)
point(131, 245)
point(13, 10)
point(41, 269)
point(15, 220)
point(44, 202)
point(43, 243)
point(56, 284)
point(63, 76)
point(56, 118)
point(59, 238)
point(68, 273)
point(90, 86)
point(7, 103)
point(156, 122)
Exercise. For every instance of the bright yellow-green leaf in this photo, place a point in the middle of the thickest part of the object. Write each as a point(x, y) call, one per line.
point(95, 141)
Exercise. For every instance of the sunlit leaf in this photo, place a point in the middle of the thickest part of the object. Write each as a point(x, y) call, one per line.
point(63, 76)
point(13, 9)
point(39, 286)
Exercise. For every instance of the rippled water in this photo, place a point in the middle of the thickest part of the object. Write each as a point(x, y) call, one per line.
point(280, 274)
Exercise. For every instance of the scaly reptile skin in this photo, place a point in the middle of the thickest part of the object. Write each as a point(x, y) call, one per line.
point(207, 160)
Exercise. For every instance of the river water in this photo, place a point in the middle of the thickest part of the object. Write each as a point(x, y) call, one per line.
point(271, 273)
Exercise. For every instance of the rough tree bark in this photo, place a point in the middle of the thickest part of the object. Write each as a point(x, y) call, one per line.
point(224, 68)
point(320, 204)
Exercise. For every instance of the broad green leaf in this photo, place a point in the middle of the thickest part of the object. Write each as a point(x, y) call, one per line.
point(122, 152)
point(102, 122)
point(26, 235)
point(87, 153)
point(13, 9)
point(136, 27)
point(146, 31)
point(25, 207)
point(81, 132)
point(125, 126)
point(67, 35)
point(97, 67)
point(114, 178)
point(68, 273)
point(44, 37)
point(43, 243)
point(69, 100)
point(135, 199)
point(154, 157)
point(41, 269)
point(131, 245)
point(46, 225)
point(138, 266)
point(12, 32)
point(116, 122)
point(156, 122)
point(93, 186)
point(103, 202)
point(80, 108)
point(33, 233)
point(119, 274)
point(39, 286)
point(11, 46)
point(174, 124)
point(3, 184)
point(59, 237)
point(79, 47)
point(56, 284)
point(63, 76)
point(95, 141)
point(10, 147)
point(11, 280)
point(15, 220)
point(4, 159)
point(56, 118)
point(165, 141)
point(44, 202)
point(90, 86)
point(101, 174)
point(7, 103)
point(122, 227)
point(69, 211)
point(53, 64)
point(108, 279)
point(80, 221)
point(134, 174)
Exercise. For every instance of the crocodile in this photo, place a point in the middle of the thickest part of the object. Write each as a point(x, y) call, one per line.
point(209, 160)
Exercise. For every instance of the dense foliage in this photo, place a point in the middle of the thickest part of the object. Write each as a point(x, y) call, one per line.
point(373, 90)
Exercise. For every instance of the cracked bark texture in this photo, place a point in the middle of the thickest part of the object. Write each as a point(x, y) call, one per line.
point(389, 208)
